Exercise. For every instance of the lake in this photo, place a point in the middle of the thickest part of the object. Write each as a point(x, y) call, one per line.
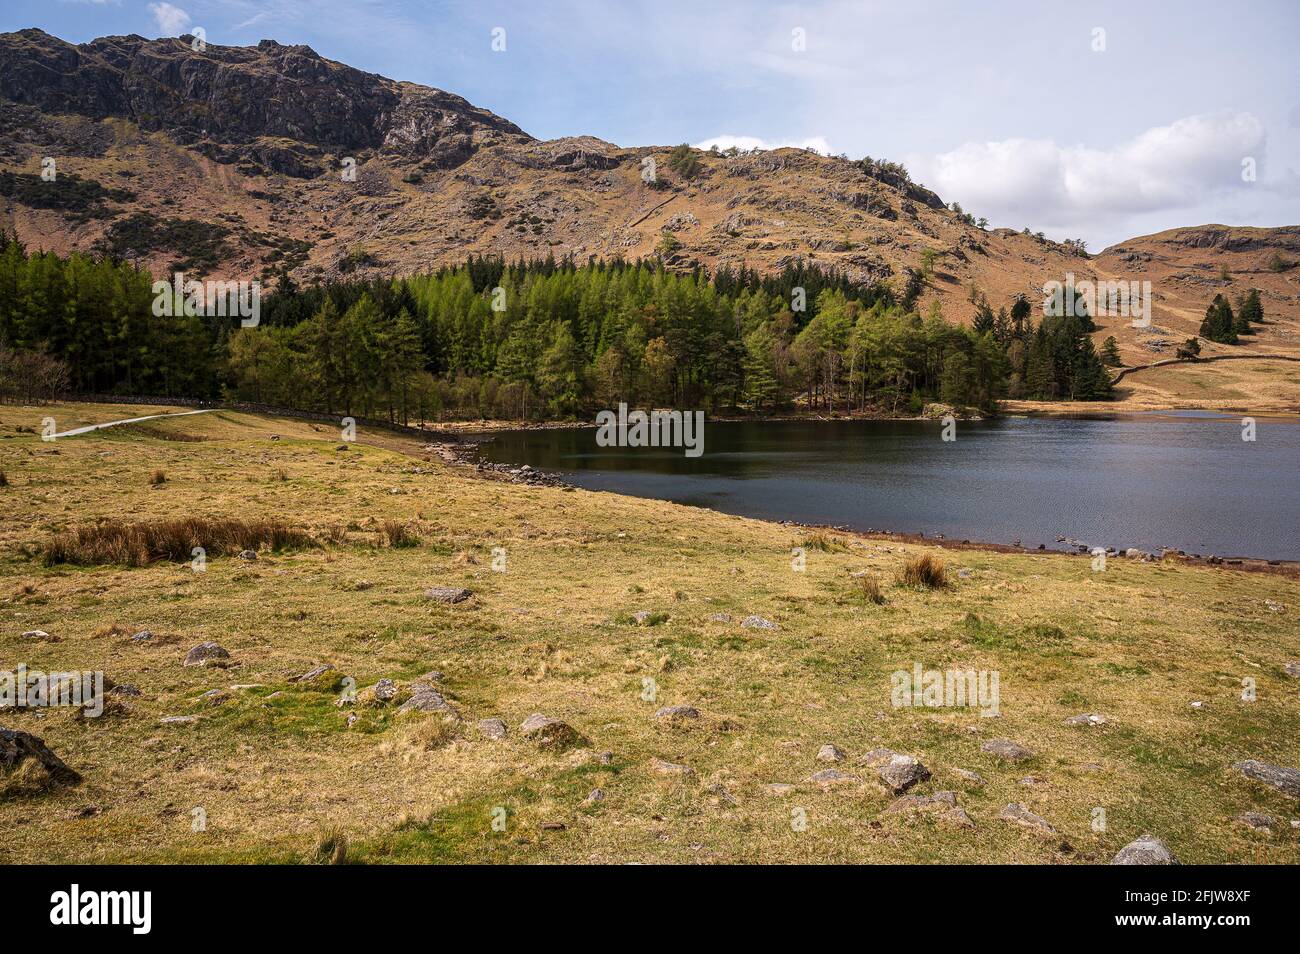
point(1183, 480)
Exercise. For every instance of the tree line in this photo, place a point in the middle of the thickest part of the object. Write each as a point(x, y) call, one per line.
point(544, 339)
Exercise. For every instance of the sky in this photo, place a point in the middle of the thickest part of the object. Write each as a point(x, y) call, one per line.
point(1092, 120)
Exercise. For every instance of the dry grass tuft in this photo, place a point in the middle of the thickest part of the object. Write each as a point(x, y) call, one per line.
point(4, 481)
point(821, 540)
point(113, 541)
point(869, 588)
point(396, 534)
point(925, 571)
point(331, 848)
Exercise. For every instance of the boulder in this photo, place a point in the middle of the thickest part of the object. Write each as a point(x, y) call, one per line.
point(1087, 718)
point(248, 555)
point(491, 728)
point(942, 805)
point(40, 635)
point(1285, 780)
point(1146, 850)
point(207, 654)
point(661, 767)
point(757, 622)
point(549, 733)
point(424, 698)
point(898, 772)
point(828, 778)
point(1016, 814)
point(447, 594)
point(1292, 669)
point(1257, 821)
point(1006, 749)
point(677, 714)
point(28, 767)
point(324, 678)
point(830, 753)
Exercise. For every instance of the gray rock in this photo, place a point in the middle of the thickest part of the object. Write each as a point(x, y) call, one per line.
point(385, 690)
point(1285, 780)
point(720, 618)
point(425, 698)
point(757, 622)
point(207, 654)
point(1006, 749)
point(1087, 718)
point(898, 772)
point(1292, 669)
point(177, 720)
point(1017, 814)
point(1257, 821)
point(247, 555)
point(41, 635)
point(942, 805)
point(447, 594)
point(596, 795)
point(143, 636)
point(549, 733)
point(828, 778)
point(661, 767)
point(1147, 850)
point(492, 728)
point(677, 714)
point(778, 789)
point(16, 747)
point(830, 753)
point(311, 675)
point(968, 776)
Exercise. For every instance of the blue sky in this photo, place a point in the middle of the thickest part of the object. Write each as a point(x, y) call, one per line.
point(1021, 111)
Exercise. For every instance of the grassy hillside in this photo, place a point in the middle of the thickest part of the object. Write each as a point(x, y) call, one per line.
point(280, 772)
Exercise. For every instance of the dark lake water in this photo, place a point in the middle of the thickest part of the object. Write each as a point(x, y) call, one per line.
point(1185, 481)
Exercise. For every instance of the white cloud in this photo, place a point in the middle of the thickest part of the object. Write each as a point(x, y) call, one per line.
point(815, 143)
point(172, 20)
point(1024, 181)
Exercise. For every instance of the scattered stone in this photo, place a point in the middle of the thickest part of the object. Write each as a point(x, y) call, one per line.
point(29, 767)
point(605, 758)
point(41, 635)
point(779, 789)
point(177, 720)
point(830, 753)
point(968, 776)
point(124, 689)
point(1017, 814)
point(1292, 669)
point(897, 771)
point(1147, 850)
point(828, 778)
point(207, 654)
point(941, 804)
point(660, 767)
point(143, 636)
point(492, 728)
point(323, 677)
point(247, 555)
point(1198, 705)
point(721, 794)
point(425, 698)
point(1006, 749)
point(963, 574)
point(548, 732)
point(384, 691)
point(214, 697)
point(1285, 780)
point(677, 714)
point(1258, 821)
point(1087, 718)
point(1031, 780)
point(596, 795)
point(720, 618)
point(447, 594)
point(757, 622)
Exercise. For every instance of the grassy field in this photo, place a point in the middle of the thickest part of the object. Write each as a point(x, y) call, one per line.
point(284, 774)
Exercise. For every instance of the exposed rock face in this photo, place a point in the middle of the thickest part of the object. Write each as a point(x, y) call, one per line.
point(549, 733)
point(28, 767)
point(228, 94)
point(1147, 850)
point(207, 654)
point(1285, 780)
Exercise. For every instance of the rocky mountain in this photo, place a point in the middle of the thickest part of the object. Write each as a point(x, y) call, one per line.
point(241, 161)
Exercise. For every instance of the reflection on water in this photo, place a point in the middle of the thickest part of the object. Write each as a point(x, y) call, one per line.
point(1191, 484)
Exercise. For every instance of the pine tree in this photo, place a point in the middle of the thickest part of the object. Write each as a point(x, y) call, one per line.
point(1110, 353)
point(1219, 324)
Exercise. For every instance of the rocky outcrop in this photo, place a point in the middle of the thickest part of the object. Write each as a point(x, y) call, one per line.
point(28, 767)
